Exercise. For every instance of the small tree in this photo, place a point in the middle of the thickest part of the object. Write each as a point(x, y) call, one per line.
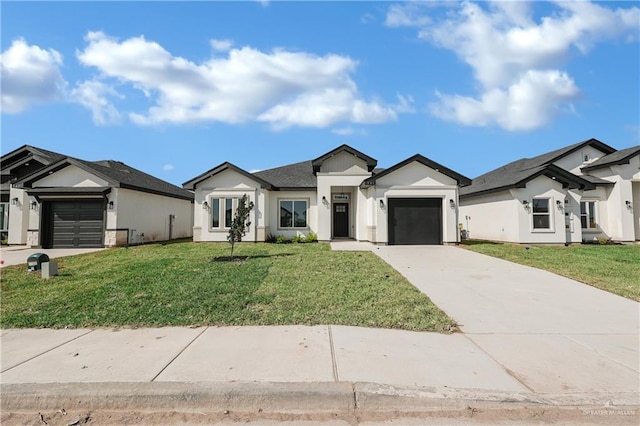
point(240, 222)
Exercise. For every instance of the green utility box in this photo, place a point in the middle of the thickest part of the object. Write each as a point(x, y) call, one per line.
point(35, 261)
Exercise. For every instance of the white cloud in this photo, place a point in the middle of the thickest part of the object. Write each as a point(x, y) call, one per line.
point(349, 131)
point(94, 96)
point(221, 45)
point(406, 15)
point(529, 103)
point(168, 167)
point(280, 87)
point(30, 75)
point(518, 60)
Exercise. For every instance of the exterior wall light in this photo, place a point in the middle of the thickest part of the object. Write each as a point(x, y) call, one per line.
point(559, 204)
point(382, 204)
point(452, 204)
point(33, 205)
point(628, 204)
point(526, 205)
point(324, 201)
point(205, 206)
point(110, 204)
point(15, 201)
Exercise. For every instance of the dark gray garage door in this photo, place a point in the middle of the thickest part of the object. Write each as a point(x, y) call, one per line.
point(77, 223)
point(415, 221)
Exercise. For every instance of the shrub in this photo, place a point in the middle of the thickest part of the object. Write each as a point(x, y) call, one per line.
point(311, 238)
point(299, 239)
point(282, 240)
point(270, 238)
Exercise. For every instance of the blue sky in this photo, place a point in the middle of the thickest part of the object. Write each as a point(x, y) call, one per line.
point(176, 88)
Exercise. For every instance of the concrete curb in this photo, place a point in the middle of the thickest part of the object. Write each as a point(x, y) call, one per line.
point(285, 397)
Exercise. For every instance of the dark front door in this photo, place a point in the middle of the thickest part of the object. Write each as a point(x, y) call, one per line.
point(340, 220)
point(74, 224)
point(415, 221)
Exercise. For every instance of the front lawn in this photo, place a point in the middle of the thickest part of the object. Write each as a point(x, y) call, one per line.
point(614, 268)
point(178, 285)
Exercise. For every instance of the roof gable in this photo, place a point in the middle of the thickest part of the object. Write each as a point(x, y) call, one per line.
point(191, 184)
point(116, 174)
point(616, 158)
point(460, 179)
point(317, 163)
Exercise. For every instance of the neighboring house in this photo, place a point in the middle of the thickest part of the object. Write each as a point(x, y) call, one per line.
point(583, 192)
point(75, 203)
point(340, 194)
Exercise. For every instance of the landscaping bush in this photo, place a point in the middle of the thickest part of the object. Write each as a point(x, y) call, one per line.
point(311, 238)
point(298, 239)
point(282, 240)
point(270, 238)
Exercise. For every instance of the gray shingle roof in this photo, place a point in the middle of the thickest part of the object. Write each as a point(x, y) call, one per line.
point(619, 157)
point(517, 173)
point(293, 176)
point(117, 174)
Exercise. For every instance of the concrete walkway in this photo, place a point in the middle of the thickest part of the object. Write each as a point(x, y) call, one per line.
point(550, 333)
point(16, 255)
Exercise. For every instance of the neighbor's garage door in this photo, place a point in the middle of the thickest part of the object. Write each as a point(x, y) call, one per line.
point(77, 223)
point(415, 221)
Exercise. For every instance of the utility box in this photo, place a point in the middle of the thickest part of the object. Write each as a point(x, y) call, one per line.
point(49, 269)
point(35, 261)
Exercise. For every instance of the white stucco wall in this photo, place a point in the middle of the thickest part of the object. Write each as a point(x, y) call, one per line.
point(70, 176)
point(229, 184)
point(335, 183)
point(146, 216)
point(620, 222)
point(18, 217)
point(502, 216)
point(416, 180)
point(576, 160)
point(491, 217)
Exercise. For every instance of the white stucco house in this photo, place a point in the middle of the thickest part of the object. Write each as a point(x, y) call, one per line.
point(55, 201)
point(340, 194)
point(580, 193)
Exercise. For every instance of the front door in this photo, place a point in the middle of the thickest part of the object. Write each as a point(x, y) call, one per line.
point(340, 220)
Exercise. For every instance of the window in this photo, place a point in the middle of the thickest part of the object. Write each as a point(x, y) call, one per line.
point(228, 212)
point(4, 216)
point(215, 212)
point(588, 215)
point(541, 213)
point(293, 214)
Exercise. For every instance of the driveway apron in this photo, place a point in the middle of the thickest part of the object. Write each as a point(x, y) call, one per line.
point(553, 334)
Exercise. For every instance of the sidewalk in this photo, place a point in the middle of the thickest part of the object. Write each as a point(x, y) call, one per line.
point(16, 255)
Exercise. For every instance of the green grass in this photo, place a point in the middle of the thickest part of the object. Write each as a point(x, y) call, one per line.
point(614, 268)
point(178, 285)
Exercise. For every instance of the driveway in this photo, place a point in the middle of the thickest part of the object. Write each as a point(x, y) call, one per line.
point(551, 333)
point(16, 255)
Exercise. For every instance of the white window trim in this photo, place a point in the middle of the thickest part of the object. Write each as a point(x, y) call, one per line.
point(222, 198)
point(595, 230)
point(551, 228)
point(6, 217)
point(306, 200)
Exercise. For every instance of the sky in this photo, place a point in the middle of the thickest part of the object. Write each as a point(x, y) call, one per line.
point(177, 88)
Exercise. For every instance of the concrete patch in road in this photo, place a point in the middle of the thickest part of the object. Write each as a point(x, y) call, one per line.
point(405, 358)
point(277, 354)
point(120, 355)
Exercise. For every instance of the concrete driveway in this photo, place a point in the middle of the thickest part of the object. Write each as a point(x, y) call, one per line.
point(551, 333)
point(16, 255)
